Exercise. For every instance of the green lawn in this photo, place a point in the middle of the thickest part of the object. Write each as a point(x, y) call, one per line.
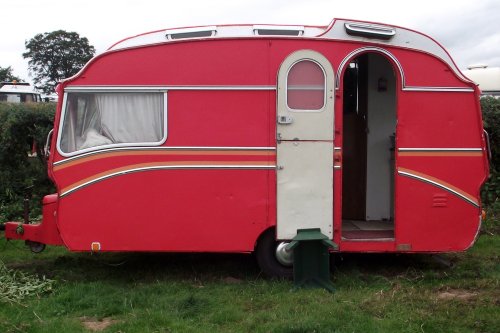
point(227, 293)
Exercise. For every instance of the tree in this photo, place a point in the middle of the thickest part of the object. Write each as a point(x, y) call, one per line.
point(6, 74)
point(55, 56)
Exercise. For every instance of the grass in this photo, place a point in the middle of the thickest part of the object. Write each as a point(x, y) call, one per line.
point(226, 293)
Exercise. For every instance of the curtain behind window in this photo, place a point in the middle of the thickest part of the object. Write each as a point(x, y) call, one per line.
point(131, 117)
point(96, 119)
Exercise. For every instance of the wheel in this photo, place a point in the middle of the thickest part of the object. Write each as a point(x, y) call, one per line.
point(273, 259)
point(35, 247)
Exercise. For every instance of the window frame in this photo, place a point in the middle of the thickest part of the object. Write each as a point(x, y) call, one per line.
point(114, 89)
point(323, 107)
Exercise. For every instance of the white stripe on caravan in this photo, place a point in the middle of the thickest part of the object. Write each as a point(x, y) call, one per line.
point(438, 89)
point(440, 149)
point(426, 180)
point(124, 172)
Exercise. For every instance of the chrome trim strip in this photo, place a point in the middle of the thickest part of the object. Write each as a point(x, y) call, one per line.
point(426, 180)
point(440, 149)
point(185, 167)
point(166, 88)
point(103, 151)
point(337, 148)
point(438, 89)
point(351, 55)
point(116, 89)
point(337, 167)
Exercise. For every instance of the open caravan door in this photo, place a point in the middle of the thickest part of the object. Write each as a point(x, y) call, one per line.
point(305, 128)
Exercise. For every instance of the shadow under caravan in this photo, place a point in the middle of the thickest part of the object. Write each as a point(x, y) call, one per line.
point(369, 126)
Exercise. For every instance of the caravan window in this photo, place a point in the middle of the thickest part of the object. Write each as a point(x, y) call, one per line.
point(305, 86)
point(105, 119)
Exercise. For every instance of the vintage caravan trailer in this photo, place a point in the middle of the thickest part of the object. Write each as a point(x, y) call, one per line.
point(231, 138)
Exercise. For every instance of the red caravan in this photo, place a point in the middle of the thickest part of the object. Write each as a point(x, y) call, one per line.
point(231, 138)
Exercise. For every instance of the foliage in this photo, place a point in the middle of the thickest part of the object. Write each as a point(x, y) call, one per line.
point(491, 189)
point(491, 119)
point(56, 55)
point(16, 285)
point(6, 74)
point(21, 126)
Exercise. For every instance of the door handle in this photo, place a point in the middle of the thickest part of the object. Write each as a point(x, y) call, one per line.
point(285, 120)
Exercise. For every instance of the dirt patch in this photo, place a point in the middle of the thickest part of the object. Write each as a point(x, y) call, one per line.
point(97, 325)
point(232, 280)
point(463, 295)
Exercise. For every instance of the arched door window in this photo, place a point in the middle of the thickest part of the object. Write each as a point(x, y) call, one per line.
point(305, 86)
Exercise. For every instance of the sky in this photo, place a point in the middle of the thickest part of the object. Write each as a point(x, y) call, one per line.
point(469, 30)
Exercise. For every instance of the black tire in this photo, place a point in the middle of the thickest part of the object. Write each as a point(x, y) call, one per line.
point(35, 247)
point(266, 258)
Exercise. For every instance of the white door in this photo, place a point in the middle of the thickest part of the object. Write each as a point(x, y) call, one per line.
point(305, 144)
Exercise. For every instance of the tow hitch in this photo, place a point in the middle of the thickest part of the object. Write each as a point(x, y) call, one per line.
point(35, 247)
point(40, 233)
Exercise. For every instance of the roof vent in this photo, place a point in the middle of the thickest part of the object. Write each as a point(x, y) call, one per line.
point(370, 30)
point(278, 30)
point(198, 32)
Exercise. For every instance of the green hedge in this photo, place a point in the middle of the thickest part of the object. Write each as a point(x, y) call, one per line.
point(21, 125)
point(491, 119)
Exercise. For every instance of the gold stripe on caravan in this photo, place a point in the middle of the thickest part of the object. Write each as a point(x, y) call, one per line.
point(441, 152)
point(179, 151)
point(173, 165)
point(439, 183)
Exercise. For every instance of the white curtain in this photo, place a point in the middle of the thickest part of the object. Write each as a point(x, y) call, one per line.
point(96, 119)
point(131, 117)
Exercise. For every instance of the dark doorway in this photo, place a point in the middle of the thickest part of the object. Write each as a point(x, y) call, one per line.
point(369, 126)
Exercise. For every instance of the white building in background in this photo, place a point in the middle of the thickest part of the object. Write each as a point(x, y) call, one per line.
point(18, 92)
point(488, 79)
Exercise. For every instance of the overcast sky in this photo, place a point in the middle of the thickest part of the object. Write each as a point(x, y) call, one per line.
point(470, 30)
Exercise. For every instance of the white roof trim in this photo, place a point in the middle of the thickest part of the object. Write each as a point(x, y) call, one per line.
point(403, 38)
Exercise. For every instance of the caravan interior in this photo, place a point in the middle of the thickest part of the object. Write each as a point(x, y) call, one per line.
point(369, 128)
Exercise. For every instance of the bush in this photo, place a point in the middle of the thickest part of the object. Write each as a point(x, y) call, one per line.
point(21, 127)
point(491, 119)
